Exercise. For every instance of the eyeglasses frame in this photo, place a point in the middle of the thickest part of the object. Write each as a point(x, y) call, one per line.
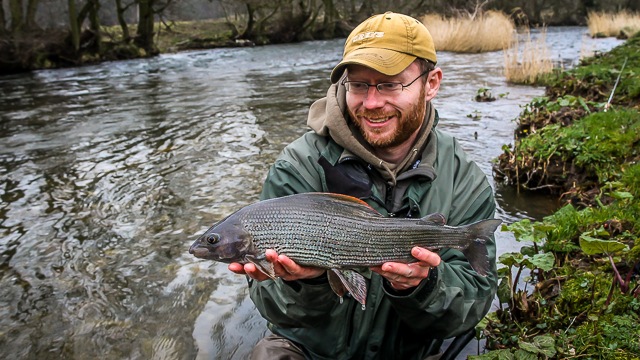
point(345, 81)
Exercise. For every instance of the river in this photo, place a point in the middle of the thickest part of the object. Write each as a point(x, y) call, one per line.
point(109, 172)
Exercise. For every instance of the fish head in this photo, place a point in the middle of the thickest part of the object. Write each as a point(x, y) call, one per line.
point(226, 241)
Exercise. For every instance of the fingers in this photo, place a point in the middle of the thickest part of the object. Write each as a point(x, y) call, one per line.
point(406, 276)
point(249, 270)
point(293, 271)
point(428, 257)
point(237, 268)
point(283, 267)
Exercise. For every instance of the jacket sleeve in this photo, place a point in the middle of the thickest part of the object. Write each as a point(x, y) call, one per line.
point(457, 298)
point(292, 304)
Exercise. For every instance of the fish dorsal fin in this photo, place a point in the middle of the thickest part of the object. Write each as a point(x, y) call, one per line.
point(350, 280)
point(348, 198)
point(433, 219)
point(263, 265)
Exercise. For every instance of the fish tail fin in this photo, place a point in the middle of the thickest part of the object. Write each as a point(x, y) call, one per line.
point(476, 252)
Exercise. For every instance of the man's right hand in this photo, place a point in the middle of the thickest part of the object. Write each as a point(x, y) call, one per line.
point(283, 267)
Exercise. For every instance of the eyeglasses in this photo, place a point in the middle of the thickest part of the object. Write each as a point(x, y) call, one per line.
point(385, 88)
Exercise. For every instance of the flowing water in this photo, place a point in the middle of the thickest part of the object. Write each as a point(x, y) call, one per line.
point(109, 172)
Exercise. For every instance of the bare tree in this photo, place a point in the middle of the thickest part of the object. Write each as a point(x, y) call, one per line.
point(17, 23)
point(120, 10)
point(3, 23)
point(74, 27)
point(144, 36)
point(30, 16)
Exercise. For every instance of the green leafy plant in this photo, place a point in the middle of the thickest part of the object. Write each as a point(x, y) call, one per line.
point(595, 246)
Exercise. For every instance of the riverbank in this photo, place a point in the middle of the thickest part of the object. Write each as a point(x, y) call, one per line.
point(581, 142)
point(40, 49)
point(35, 48)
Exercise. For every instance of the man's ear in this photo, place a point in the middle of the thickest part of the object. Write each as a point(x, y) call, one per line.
point(433, 80)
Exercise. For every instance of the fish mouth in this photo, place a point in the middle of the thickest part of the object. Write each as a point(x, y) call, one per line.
point(192, 249)
point(198, 251)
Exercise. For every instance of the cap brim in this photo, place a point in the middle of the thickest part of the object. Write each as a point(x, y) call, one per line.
point(388, 62)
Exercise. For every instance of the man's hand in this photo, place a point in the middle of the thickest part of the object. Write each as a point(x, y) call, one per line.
point(283, 267)
point(406, 276)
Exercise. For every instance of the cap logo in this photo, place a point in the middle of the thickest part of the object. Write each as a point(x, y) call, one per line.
point(368, 35)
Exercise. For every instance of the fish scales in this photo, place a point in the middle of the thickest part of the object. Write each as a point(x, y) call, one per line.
point(315, 236)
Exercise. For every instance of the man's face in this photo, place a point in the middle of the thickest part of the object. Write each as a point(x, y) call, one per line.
point(387, 121)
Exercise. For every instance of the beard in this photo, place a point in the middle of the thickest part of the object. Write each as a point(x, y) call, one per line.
point(406, 124)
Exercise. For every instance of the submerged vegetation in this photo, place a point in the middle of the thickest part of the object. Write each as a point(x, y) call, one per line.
point(580, 266)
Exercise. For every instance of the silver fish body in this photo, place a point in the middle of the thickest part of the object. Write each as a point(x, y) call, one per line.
point(336, 232)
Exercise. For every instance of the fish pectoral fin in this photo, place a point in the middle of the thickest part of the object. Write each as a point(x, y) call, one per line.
point(263, 265)
point(336, 284)
point(350, 280)
point(433, 219)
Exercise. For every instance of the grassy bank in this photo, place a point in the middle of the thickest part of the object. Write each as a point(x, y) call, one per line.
point(177, 36)
point(582, 264)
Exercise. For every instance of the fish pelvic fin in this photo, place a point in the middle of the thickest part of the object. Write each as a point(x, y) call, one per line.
point(263, 265)
point(476, 253)
point(342, 280)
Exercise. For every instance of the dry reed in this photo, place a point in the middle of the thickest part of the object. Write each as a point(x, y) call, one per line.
point(602, 24)
point(528, 59)
point(487, 31)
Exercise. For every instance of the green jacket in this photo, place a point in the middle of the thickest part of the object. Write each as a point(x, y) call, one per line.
point(402, 325)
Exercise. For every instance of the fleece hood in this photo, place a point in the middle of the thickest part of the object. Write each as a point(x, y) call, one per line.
point(329, 117)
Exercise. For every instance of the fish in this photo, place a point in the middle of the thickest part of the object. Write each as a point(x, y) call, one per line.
point(339, 233)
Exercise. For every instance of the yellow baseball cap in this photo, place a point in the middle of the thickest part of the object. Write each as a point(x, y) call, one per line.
point(387, 43)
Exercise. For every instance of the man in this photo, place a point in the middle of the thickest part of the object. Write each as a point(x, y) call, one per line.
point(375, 137)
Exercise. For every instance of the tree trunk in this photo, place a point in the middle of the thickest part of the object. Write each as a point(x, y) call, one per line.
point(248, 31)
point(331, 17)
point(123, 23)
point(15, 6)
point(74, 26)
point(144, 37)
point(3, 23)
point(94, 22)
point(30, 19)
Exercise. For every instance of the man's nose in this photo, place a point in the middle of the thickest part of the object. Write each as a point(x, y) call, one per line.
point(374, 99)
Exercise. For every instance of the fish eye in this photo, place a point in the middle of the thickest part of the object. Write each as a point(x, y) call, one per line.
point(212, 238)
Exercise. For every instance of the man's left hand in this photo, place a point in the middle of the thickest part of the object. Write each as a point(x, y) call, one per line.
point(406, 276)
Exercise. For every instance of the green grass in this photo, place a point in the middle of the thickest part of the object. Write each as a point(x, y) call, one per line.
point(599, 144)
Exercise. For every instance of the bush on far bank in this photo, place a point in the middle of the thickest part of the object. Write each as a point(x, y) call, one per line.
point(482, 32)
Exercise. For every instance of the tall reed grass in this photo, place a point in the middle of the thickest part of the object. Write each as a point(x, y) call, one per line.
point(526, 60)
point(602, 24)
point(481, 32)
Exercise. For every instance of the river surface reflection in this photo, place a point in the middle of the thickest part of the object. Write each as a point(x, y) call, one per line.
point(109, 172)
